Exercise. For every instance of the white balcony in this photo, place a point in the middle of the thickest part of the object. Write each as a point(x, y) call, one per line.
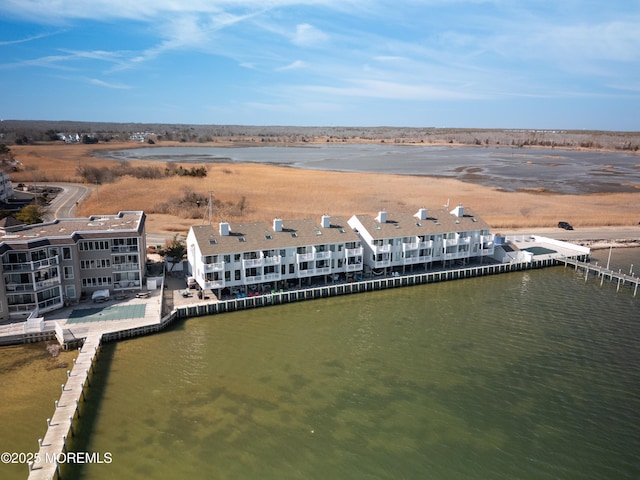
point(354, 267)
point(213, 284)
point(381, 248)
point(274, 260)
point(410, 246)
point(252, 263)
point(213, 267)
point(415, 260)
point(323, 255)
point(254, 279)
point(353, 252)
point(272, 277)
point(381, 264)
point(305, 257)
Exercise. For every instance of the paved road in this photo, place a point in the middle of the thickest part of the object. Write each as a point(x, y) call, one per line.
point(64, 205)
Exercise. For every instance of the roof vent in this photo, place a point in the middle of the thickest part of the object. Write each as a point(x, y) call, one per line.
point(224, 229)
point(421, 214)
point(326, 221)
point(382, 217)
point(458, 211)
point(277, 224)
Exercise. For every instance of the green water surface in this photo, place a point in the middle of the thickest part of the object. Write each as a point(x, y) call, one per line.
point(532, 375)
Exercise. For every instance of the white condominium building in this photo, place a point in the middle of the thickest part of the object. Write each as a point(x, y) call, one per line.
point(397, 241)
point(242, 258)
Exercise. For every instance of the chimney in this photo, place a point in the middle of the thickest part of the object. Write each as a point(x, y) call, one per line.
point(382, 217)
point(421, 214)
point(326, 221)
point(224, 229)
point(458, 211)
point(277, 224)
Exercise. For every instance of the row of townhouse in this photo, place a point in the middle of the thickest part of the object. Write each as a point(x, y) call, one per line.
point(49, 265)
point(246, 257)
point(395, 242)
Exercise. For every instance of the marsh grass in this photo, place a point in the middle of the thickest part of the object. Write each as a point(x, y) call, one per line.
point(272, 191)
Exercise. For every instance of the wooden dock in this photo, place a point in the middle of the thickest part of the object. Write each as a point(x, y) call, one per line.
point(60, 427)
point(604, 273)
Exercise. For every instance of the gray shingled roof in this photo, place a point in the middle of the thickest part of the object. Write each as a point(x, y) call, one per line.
point(248, 237)
point(406, 224)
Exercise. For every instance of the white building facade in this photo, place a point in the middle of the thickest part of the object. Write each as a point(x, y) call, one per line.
point(243, 258)
point(400, 241)
point(6, 187)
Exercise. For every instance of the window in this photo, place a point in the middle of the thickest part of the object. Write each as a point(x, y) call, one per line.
point(237, 275)
point(68, 273)
point(66, 253)
point(251, 272)
point(96, 263)
point(70, 291)
point(96, 282)
point(88, 245)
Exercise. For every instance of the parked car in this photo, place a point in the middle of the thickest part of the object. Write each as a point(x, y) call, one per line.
point(565, 225)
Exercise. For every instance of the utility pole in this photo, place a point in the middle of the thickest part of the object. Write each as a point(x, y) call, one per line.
point(210, 207)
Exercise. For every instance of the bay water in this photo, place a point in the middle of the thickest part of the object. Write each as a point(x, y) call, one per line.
point(530, 375)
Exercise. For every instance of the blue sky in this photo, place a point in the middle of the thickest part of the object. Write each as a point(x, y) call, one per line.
point(571, 64)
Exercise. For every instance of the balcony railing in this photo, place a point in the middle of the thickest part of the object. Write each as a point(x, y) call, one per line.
point(43, 307)
point(410, 246)
point(353, 252)
point(31, 266)
point(260, 262)
point(124, 248)
point(311, 272)
point(323, 255)
point(305, 257)
point(382, 248)
point(50, 282)
point(214, 267)
point(274, 260)
point(381, 264)
point(414, 260)
point(208, 285)
point(353, 267)
point(122, 267)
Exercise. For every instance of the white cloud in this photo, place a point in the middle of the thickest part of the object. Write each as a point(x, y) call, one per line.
point(101, 83)
point(307, 35)
point(293, 66)
point(393, 90)
point(26, 39)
